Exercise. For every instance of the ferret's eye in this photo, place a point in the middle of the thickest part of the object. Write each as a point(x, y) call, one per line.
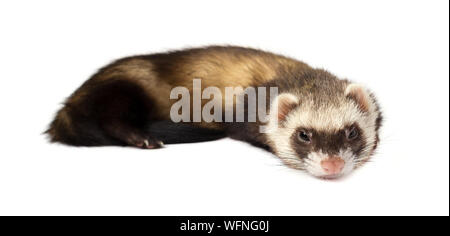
point(304, 136)
point(352, 133)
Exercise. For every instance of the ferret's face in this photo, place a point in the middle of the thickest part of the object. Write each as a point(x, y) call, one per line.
point(327, 136)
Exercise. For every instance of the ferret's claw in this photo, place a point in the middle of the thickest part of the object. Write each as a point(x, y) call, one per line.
point(151, 144)
point(146, 143)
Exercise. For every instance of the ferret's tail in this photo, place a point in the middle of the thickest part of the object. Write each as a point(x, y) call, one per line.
point(172, 133)
point(59, 129)
point(69, 128)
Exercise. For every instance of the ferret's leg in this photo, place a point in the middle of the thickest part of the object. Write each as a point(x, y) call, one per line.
point(131, 136)
point(113, 111)
point(123, 110)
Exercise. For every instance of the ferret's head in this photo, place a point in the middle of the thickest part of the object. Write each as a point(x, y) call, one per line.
point(328, 127)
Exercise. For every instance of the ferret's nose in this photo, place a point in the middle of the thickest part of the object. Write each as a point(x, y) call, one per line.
point(333, 165)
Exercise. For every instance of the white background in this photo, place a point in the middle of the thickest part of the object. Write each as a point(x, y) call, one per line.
point(399, 49)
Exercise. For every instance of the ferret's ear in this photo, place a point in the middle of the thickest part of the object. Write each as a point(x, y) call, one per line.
point(360, 95)
point(283, 104)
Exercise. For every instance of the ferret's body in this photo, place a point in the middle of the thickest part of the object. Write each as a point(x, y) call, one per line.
point(155, 76)
point(128, 102)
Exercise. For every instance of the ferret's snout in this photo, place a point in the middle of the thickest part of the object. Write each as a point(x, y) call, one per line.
point(333, 165)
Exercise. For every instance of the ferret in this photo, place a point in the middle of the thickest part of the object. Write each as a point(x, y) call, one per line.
point(317, 122)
